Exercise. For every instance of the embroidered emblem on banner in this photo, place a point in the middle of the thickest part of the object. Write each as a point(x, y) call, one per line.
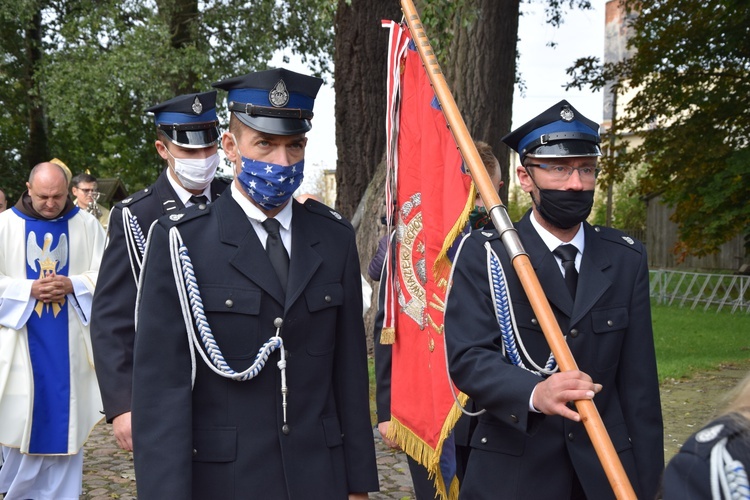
point(411, 261)
point(50, 260)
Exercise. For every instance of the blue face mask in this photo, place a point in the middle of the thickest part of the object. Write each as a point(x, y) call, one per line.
point(267, 184)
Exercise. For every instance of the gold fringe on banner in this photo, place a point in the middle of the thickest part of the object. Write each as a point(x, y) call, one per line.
point(420, 451)
point(442, 263)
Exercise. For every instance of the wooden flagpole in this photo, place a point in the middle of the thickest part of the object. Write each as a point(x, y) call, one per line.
point(590, 417)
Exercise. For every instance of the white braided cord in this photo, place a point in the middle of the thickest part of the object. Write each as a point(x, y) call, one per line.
point(194, 315)
point(728, 476)
point(507, 321)
point(134, 241)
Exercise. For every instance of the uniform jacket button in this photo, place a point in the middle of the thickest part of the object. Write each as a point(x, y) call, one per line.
point(571, 436)
point(285, 429)
point(229, 303)
point(195, 452)
point(534, 321)
point(514, 419)
point(574, 333)
point(483, 440)
point(610, 322)
point(327, 298)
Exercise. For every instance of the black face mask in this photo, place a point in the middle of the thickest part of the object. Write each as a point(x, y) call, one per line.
point(564, 209)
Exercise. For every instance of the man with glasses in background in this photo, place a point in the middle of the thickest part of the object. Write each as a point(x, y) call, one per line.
point(85, 191)
point(596, 281)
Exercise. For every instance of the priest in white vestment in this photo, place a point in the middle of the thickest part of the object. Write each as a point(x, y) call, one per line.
point(50, 252)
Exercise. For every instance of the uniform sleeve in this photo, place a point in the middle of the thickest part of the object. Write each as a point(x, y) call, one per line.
point(162, 389)
point(637, 383)
point(474, 344)
point(112, 322)
point(352, 383)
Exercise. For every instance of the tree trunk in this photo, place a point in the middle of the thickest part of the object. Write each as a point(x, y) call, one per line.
point(480, 68)
point(360, 60)
point(183, 19)
point(37, 150)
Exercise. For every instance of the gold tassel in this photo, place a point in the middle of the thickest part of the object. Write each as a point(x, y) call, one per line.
point(388, 335)
point(442, 263)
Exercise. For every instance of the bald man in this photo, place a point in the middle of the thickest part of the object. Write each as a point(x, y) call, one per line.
point(49, 398)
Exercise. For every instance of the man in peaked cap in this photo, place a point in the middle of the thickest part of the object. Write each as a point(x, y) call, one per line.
point(210, 418)
point(187, 136)
point(596, 281)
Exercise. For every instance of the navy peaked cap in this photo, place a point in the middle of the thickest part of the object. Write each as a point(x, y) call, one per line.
point(188, 120)
point(560, 131)
point(275, 101)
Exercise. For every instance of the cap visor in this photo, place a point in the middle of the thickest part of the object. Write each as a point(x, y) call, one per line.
point(202, 138)
point(563, 149)
point(277, 126)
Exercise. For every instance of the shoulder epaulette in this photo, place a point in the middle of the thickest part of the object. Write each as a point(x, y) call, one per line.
point(186, 214)
point(319, 208)
point(136, 197)
point(620, 237)
point(485, 234)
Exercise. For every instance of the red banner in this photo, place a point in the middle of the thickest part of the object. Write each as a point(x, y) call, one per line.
point(432, 198)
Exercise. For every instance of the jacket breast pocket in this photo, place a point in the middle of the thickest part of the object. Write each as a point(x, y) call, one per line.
point(232, 314)
point(323, 303)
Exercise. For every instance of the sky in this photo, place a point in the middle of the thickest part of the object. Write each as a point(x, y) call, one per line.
point(541, 67)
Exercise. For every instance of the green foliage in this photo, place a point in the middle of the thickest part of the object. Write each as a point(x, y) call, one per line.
point(105, 61)
point(690, 68)
point(689, 341)
point(628, 210)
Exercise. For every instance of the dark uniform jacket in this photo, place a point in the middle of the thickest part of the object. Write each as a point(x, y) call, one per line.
point(226, 439)
point(517, 453)
point(113, 310)
point(688, 477)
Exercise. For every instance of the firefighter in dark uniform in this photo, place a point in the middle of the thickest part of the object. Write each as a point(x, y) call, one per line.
point(530, 442)
point(714, 463)
point(187, 138)
point(250, 374)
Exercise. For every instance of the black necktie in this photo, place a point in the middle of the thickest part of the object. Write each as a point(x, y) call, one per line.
point(276, 251)
point(197, 200)
point(568, 255)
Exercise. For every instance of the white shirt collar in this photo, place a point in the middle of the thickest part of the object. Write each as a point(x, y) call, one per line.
point(253, 212)
point(182, 193)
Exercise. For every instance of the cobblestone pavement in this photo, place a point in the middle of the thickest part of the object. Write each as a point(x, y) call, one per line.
point(108, 471)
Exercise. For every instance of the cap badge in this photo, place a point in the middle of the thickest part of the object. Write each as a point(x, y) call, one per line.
point(279, 95)
point(567, 114)
point(197, 107)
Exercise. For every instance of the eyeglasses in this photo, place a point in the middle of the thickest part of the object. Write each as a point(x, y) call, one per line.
point(87, 191)
point(562, 172)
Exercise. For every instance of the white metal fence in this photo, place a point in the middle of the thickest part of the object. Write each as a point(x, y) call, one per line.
point(709, 291)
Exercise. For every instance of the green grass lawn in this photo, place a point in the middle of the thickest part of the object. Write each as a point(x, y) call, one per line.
point(690, 341)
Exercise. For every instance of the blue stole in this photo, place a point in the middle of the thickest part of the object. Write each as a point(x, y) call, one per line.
point(47, 252)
